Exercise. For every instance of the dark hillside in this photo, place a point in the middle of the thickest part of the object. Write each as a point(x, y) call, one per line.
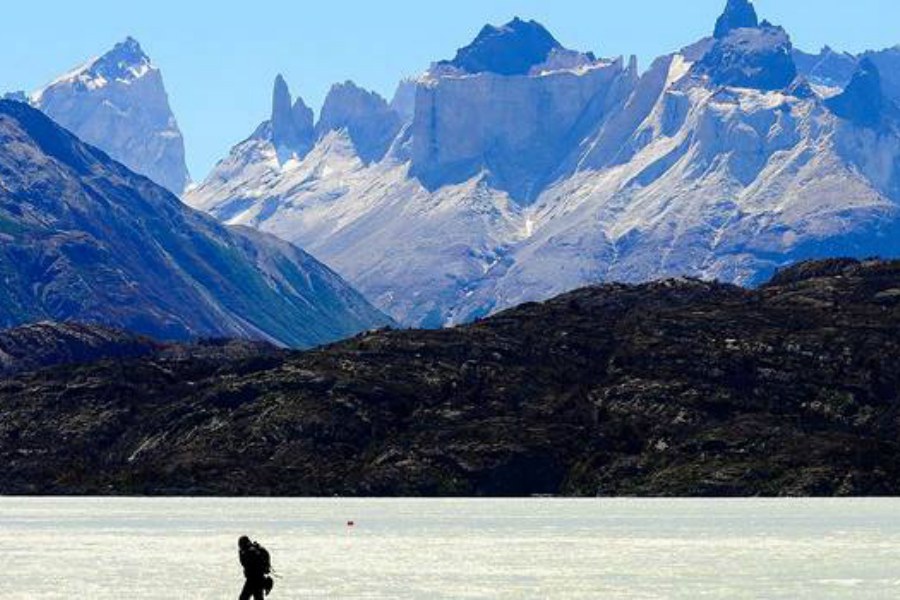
point(672, 388)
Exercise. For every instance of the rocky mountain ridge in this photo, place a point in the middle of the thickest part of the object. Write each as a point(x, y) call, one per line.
point(721, 161)
point(85, 239)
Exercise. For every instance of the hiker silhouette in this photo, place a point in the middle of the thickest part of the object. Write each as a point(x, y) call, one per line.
point(257, 566)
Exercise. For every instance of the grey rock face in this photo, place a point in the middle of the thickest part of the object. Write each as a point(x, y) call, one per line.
point(834, 69)
point(738, 14)
point(516, 129)
point(759, 58)
point(511, 105)
point(85, 239)
point(827, 68)
point(887, 62)
point(511, 49)
point(404, 101)
point(368, 119)
point(863, 101)
point(119, 104)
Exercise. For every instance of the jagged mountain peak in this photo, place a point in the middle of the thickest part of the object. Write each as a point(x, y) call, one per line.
point(347, 101)
point(126, 62)
point(350, 87)
point(292, 123)
point(510, 49)
point(510, 188)
point(302, 112)
point(367, 117)
point(758, 57)
point(128, 50)
point(123, 63)
point(517, 27)
point(118, 102)
point(829, 68)
point(738, 14)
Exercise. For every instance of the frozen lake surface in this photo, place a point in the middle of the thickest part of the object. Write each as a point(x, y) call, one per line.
point(453, 549)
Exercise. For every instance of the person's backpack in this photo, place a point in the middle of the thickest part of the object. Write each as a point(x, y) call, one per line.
point(262, 557)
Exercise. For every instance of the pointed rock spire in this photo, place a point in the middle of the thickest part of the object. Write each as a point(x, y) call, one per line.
point(738, 14)
point(281, 101)
point(292, 125)
point(862, 101)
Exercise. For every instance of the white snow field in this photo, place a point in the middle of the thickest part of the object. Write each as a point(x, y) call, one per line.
point(453, 549)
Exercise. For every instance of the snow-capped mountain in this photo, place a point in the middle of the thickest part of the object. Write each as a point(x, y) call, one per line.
point(524, 169)
point(119, 104)
point(84, 239)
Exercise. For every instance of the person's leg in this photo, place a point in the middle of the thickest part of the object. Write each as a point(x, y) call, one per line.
point(258, 594)
point(247, 591)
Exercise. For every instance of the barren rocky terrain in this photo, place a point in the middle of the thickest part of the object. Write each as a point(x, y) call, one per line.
point(672, 388)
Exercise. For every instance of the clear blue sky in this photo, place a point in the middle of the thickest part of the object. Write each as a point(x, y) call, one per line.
point(219, 58)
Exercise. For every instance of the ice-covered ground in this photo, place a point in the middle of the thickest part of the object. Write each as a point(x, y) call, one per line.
point(143, 548)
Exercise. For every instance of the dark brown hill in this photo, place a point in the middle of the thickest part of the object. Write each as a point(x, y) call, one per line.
point(671, 388)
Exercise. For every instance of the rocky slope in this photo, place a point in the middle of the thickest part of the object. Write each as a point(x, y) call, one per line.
point(48, 344)
point(525, 169)
point(40, 345)
point(85, 239)
point(118, 103)
point(679, 387)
